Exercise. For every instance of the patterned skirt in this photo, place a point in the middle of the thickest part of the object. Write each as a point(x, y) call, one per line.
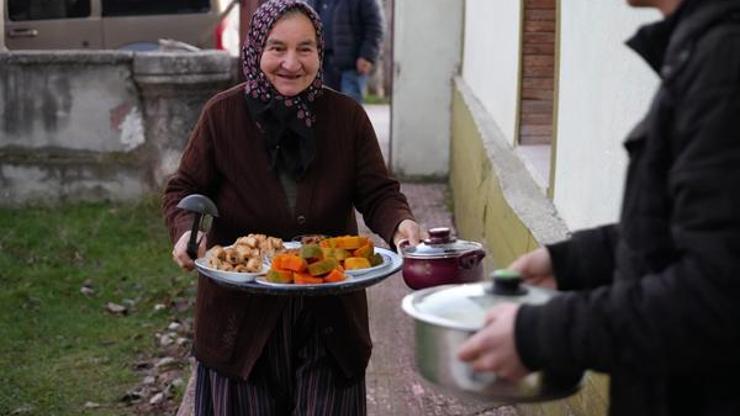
point(295, 375)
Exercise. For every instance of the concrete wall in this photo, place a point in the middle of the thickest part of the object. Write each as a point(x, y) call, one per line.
point(496, 202)
point(491, 51)
point(98, 125)
point(604, 89)
point(425, 61)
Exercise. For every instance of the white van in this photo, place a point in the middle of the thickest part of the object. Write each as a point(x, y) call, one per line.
point(116, 24)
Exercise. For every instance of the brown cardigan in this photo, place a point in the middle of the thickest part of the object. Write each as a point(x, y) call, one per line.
point(225, 159)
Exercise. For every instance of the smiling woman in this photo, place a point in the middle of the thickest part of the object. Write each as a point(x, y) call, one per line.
point(284, 156)
point(291, 58)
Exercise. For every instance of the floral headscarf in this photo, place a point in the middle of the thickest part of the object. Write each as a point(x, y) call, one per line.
point(287, 121)
point(258, 86)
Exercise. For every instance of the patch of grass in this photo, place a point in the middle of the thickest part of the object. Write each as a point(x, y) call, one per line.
point(375, 99)
point(59, 348)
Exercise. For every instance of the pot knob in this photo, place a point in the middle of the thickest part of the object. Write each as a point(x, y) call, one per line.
point(507, 283)
point(439, 235)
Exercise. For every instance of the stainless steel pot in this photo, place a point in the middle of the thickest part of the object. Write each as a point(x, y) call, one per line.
point(446, 316)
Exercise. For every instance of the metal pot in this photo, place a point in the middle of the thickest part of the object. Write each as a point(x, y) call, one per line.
point(441, 259)
point(446, 316)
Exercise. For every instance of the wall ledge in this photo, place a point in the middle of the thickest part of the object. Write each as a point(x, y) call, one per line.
point(519, 188)
point(66, 57)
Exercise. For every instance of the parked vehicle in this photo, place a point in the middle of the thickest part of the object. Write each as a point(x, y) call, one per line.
point(116, 24)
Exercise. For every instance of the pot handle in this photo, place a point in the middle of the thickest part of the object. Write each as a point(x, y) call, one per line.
point(404, 242)
point(471, 259)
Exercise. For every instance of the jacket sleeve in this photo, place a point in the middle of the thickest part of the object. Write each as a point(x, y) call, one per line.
point(684, 318)
point(372, 28)
point(195, 174)
point(586, 260)
point(377, 195)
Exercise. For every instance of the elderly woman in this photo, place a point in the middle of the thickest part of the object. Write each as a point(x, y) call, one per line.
point(282, 155)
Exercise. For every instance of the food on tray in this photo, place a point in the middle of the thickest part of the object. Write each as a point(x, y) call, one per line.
point(323, 260)
point(354, 263)
point(305, 266)
point(347, 242)
point(309, 238)
point(353, 252)
point(246, 255)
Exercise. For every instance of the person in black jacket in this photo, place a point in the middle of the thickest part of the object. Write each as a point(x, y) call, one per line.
point(653, 300)
point(353, 33)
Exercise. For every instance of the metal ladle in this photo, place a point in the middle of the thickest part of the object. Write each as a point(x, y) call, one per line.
point(199, 205)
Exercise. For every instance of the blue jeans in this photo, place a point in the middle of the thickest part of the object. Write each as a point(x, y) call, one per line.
point(353, 84)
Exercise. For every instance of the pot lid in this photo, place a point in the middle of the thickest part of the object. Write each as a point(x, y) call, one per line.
point(464, 307)
point(440, 244)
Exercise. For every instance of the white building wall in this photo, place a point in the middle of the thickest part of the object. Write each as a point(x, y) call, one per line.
point(426, 57)
point(2, 26)
point(605, 88)
point(491, 58)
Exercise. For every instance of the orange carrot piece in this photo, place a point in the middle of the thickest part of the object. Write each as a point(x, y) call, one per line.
point(293, 263)
point(306, 279)
point(365, 251)
point(335, 275)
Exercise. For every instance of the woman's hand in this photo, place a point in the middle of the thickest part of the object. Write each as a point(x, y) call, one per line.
point(536, 268)
point(493, 347)
point(180, 251)
point(407, 230)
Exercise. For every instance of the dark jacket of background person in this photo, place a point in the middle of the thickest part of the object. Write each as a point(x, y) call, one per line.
point(226, 160)
point(357, 32)
point(662, 313)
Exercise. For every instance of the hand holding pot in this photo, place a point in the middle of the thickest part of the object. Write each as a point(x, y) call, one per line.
point(493, 347)
point(407, 231)
point(535, 268)
point(465, 340)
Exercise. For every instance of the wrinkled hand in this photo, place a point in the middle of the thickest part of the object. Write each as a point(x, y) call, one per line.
point(180, 251)
point(493, 347)
point(536, 268)
point(363, 66)
point(407, 230)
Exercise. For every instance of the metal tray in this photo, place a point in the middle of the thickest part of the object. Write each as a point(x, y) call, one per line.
point(392, 262)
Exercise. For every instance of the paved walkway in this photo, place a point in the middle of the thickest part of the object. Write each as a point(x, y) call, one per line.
point(393, 386)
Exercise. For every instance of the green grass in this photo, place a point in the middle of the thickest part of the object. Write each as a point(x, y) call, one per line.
point(375, 99)
point(58, 347)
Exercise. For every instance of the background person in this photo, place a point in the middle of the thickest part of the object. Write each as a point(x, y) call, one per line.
point(353, 35)
point(652, 300)
point(282, 156)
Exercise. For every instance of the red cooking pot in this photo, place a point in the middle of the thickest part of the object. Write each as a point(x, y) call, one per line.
point(441, 259)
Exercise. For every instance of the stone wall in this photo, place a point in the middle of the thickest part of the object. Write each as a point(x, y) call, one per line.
point(98, 125)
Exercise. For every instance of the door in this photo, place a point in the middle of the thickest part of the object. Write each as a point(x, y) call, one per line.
point(52, 24)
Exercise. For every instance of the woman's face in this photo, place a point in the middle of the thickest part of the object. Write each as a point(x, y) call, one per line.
point(290, 59)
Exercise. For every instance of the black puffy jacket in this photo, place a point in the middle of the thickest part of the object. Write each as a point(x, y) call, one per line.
point(357, 32)
point(655, 299)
